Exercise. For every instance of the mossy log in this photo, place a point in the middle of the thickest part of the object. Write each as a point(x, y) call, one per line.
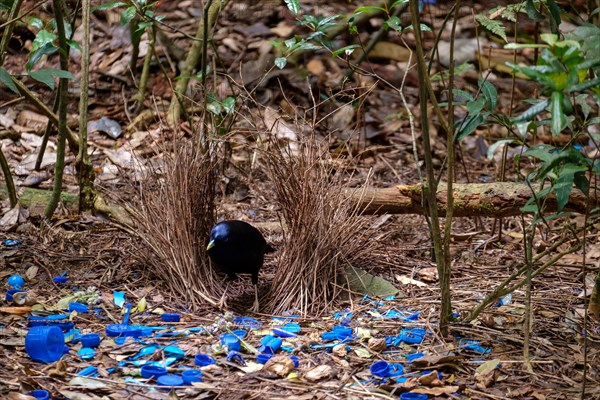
point(498, 199)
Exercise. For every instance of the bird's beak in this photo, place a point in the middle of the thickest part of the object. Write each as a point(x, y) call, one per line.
point(211, 244)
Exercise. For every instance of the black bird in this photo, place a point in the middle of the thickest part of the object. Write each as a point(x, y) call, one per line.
point(236, 247)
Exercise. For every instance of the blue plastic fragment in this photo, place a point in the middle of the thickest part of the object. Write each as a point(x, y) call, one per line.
point(236, 357)
point(283, 333)
point(16, 281)
point(60, 279)
point(10, 293)
point(119, 298)
point(413, 396)
point(415, 356)
point(145, 351)
point(88, 371)
point(12, 242)
point(473, 345)
point(170, 317)
point(174, 351)
point(79, 307)
point(59, 320)
point(248, 322)
point(86, 353)
point(202, 360)
point(295, 360)
point(285, 318)
point(39, 394)
point(412, 336)
point(292, 327)
point(126, 314)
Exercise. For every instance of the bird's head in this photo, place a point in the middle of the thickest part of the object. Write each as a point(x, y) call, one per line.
point(218, 234)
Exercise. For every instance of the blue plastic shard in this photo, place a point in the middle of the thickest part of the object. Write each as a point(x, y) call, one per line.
point(119, 298)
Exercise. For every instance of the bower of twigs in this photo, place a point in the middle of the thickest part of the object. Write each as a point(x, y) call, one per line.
point(174, 212)
point(323, 233)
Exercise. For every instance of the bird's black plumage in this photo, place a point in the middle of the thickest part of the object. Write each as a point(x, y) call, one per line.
point(236, 247)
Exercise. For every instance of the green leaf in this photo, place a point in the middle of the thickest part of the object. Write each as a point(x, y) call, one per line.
point(559, 121)
point(35, 22)
point(293, 6)
point(73, 44)
point(515, 46)
point(281, 62)
point(555, 13)
point(398, 2)
point(369, 9)
point(563, 188)
point(229, 105)
point(468, 126)
point(475, 106)
point(532, 12)
point(540, 151)
point(499, 143)
point(584, 85)
point(128, 15)
point(492, 25)
point(582, 183)
point(347, 50)
point(108, 6)
point(214, 107)
point(6, 79)
point(489, 92)
point(47, 76)
point(463, 93)
point(532, 111)
point(36, 55)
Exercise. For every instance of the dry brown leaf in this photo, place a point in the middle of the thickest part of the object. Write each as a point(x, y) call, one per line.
point(438, 391)
point(280, 365)
point(319, 373)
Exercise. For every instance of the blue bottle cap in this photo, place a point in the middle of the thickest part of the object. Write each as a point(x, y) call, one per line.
point(231, 341)
point(240, 333)
point(45, 343)
point(191, 375)
point(202, 360)
point(380, 369)
point(116, 330)
point(152, 371)
point(395, 370)
point(16, 281)
point(90, 339)
point(166, 317)
point(79, 307)
point(263, 358)
point(169, 380)
point(39, 394)
point(412, 336)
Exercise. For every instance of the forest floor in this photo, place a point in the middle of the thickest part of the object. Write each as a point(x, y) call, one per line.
point(365, 125)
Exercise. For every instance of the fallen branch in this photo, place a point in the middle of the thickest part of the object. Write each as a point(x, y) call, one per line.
point(498, 199)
